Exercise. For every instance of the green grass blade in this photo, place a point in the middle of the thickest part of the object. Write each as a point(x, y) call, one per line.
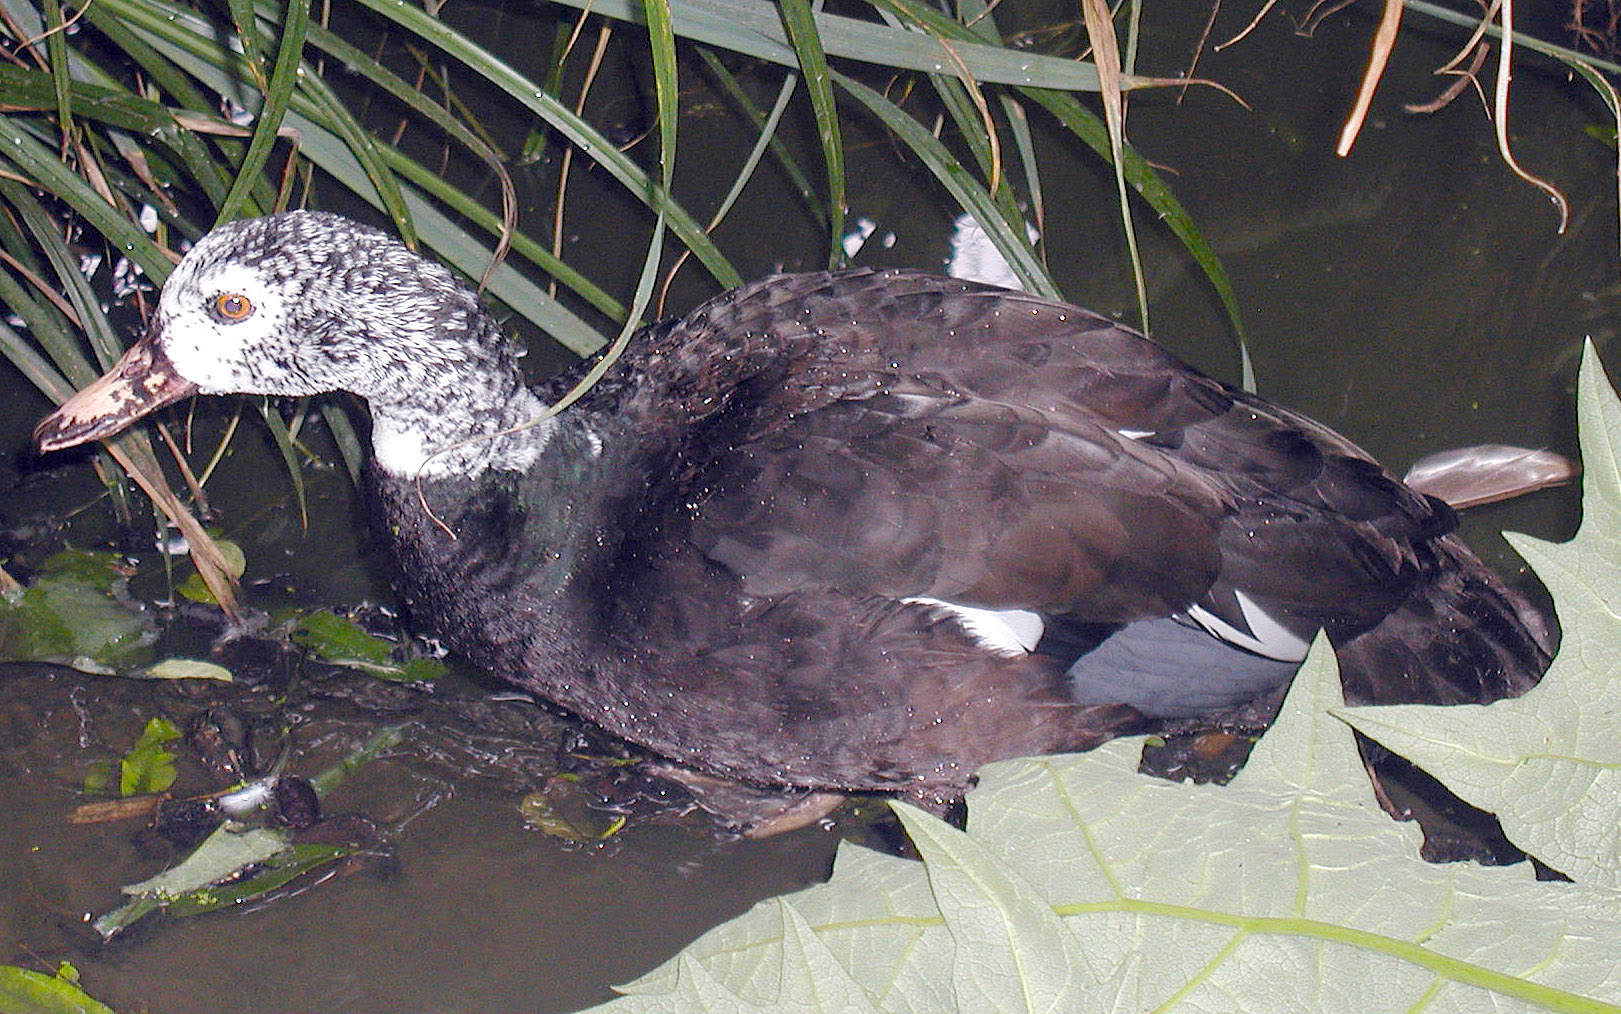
point(1106, 55)
point(960, 183)
point(289, 456)
point(1148, 184)
point(1019, 129)
point(47, 234)
point(252, 52)
point(153, 65)
point(277, 94)
point(754, 29)
point(33, 366)
point(765, 125)
point(1092, 131)
point(666, 86)
point(50, 332)
point(38, 162)
point(56, 48)
point(350, 446)
point(182, 40)
point(765, 140)
point(800, 24)
point(589, 140)
point(367, 152)
point(27, 90)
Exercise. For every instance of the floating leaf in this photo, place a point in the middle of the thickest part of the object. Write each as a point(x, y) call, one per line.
point(560, 810)
point(100, 776)
point(230, 867)
point(222, 855)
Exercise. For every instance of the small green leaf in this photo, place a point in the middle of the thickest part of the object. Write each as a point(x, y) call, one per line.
point(236, 564)
point(341, 641)
point(98, 777)
point(148, 767)
point(423, 669)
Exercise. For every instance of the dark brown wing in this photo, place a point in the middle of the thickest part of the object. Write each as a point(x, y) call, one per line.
point(896, 434)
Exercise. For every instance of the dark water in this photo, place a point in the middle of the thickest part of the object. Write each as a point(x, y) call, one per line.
point(1414, 296)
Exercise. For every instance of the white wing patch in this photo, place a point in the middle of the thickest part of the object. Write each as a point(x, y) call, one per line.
point(1009, 632)
point(1266, 636)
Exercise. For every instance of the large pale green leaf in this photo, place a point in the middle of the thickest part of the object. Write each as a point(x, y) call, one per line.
point(1082, 885)
point(1549, 763)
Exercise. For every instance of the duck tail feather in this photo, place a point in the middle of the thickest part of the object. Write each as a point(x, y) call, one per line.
point(1462, 637)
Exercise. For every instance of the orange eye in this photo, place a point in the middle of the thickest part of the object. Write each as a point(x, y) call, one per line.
point(232, 306)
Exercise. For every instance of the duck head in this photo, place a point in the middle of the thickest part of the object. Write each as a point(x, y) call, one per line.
point(303, 303)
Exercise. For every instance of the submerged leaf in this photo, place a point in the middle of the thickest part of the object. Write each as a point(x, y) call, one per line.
point(341, 641)
point(75, 612)
point(557, 810)
point(148, 767)
point(385, 738)
point(222, 855)
point(236, 564)
point(230, 867)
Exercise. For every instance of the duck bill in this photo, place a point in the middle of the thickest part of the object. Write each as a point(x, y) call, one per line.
point(141, 382)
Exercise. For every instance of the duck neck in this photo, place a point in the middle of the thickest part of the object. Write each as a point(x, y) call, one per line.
point(476, 552)
point(456, 414)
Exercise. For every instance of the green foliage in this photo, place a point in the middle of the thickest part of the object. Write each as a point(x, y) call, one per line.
point(341, 641)
point(239, 863)
point(230, 867)
point(1081, 884)
point(77, 612)
point(26, 992)
point(236, 564)
point(121, 118)
point(148, 767)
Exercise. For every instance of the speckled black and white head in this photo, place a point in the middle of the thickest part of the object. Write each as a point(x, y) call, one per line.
point(307, 302)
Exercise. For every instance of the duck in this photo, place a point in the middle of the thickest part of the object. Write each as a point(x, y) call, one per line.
point(858, 531)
